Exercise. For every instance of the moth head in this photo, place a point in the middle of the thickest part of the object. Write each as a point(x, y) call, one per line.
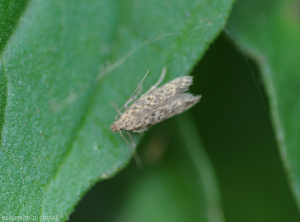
point(115, 127)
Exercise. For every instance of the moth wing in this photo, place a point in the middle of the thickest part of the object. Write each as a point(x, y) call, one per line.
point(171, 107)
point(174, 87)
point(165, 92)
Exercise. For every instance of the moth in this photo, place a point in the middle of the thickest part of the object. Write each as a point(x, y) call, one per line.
point(156, 105)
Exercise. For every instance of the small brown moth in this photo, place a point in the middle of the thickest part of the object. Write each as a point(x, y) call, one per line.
point(156, 105)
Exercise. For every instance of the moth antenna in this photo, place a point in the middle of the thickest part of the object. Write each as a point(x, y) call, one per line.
point(132, 95)
point(161, 78)
point(138, 93)
point(113, 104)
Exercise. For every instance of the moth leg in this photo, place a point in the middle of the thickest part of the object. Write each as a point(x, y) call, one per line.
point(140, 130)
point(125, 139)
point(132, 141)
point(161, 78)
point(137, 159)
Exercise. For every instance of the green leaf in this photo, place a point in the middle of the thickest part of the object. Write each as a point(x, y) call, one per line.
point(269, 31)
point(180, 188)
point(176, 182)
point(10, 14)
point(62, 66)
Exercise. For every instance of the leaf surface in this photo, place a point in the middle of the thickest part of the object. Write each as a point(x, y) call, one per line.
point(179, 185)
point(269, 31)
point(62, 66)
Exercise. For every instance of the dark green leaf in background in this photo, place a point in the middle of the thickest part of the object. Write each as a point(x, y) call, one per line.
point(176, 183)
point(238, 137)
point(62, 66)
point(11, 11)
point(270, 32)
point(233, 116)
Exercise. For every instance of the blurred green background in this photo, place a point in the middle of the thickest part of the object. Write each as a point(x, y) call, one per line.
point(233, 121)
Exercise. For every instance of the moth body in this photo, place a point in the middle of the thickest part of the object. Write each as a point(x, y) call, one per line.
point(156, 105)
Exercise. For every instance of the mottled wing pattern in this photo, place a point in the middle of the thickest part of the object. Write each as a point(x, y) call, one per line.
point(163, 93)
point(170, 89)
point(173, 87)
point(157, 105)
point(169, 108)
